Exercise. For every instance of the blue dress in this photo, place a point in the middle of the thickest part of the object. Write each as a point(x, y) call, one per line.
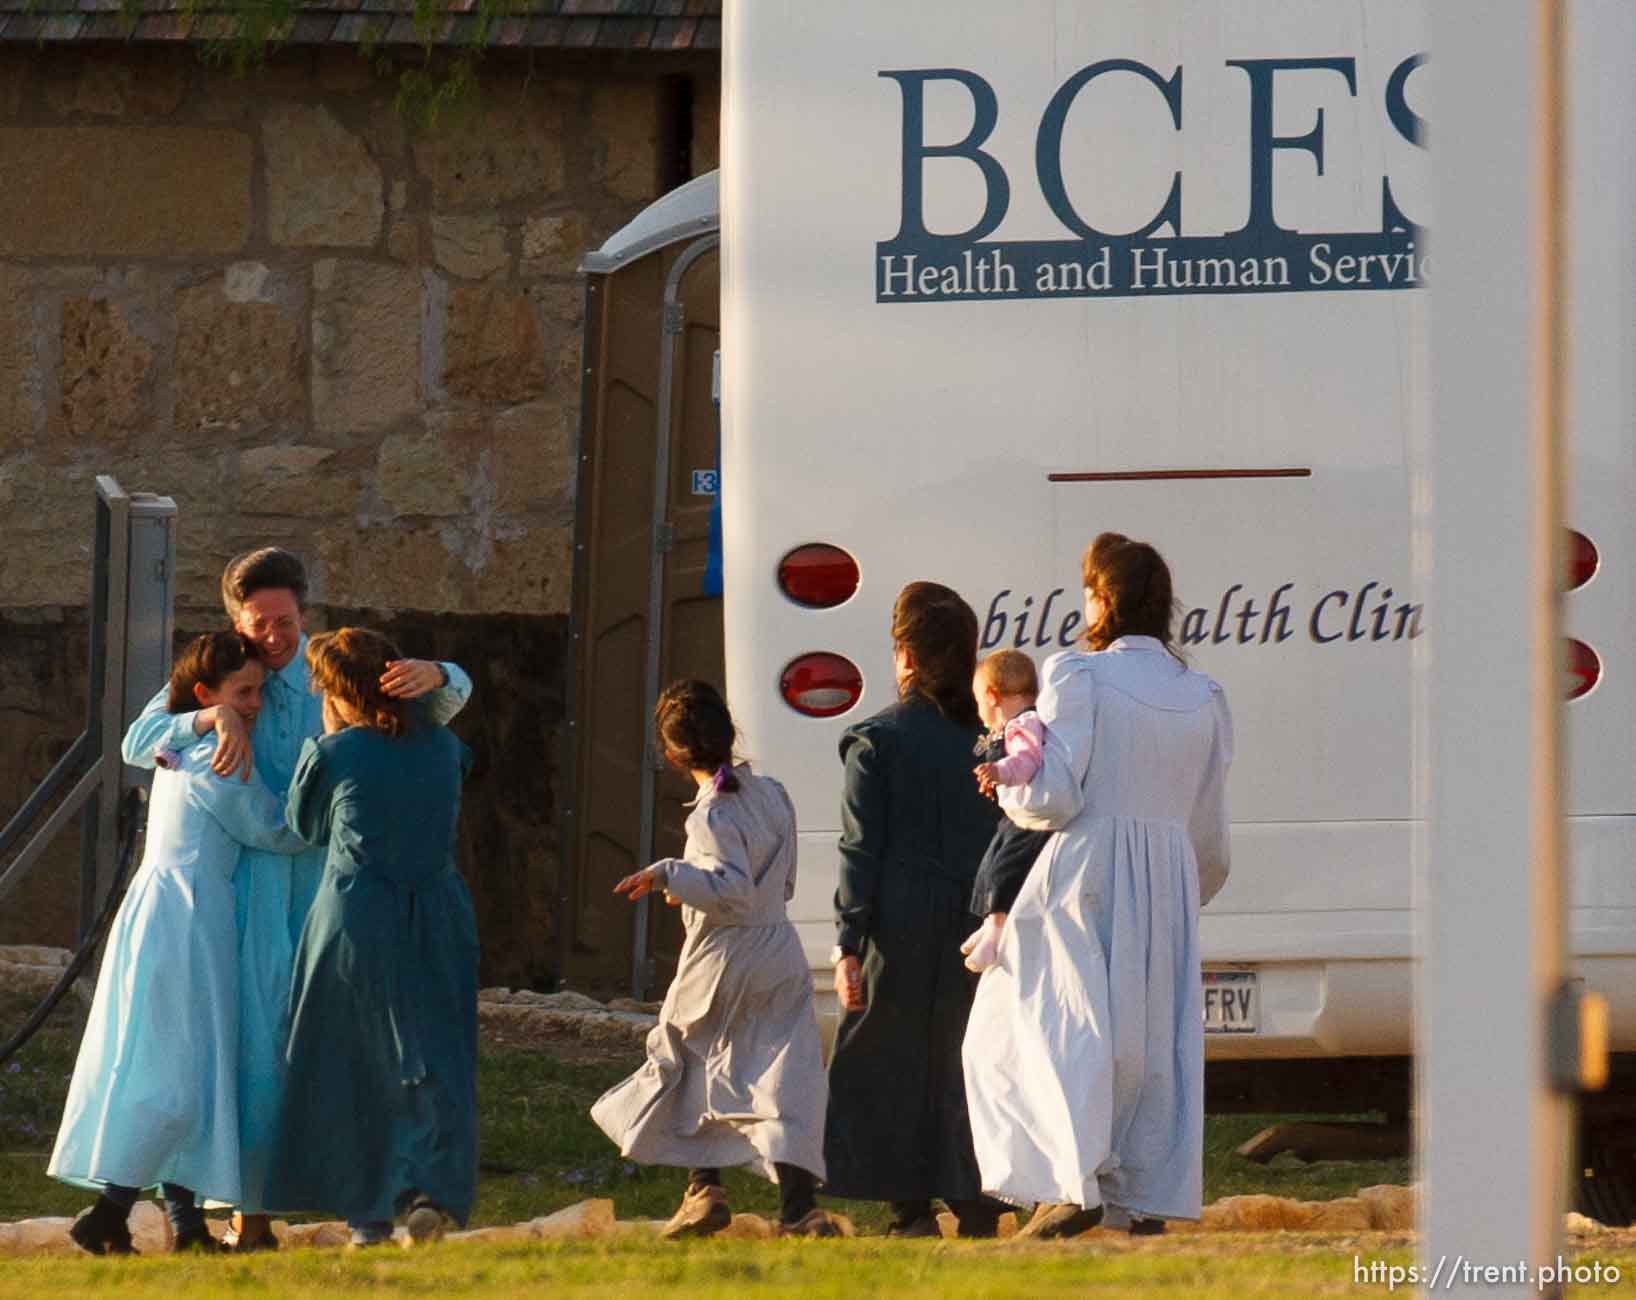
point(275, 889)
point(155, 1092)
point(382, 1052)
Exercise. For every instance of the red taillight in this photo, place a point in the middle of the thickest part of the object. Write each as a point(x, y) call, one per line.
point(1584, 669)
point(1583, 560)
point(818, 576)
point(821, 685)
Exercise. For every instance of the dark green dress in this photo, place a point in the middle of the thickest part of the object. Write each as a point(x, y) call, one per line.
point(382, 1095)
point(914, 828)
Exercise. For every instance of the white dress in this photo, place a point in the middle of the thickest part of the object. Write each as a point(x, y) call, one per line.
point(1084, 1054)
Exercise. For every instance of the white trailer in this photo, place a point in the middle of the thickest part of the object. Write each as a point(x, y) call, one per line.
point(997, 278)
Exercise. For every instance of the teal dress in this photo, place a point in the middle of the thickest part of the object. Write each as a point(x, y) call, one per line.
point(382, 1049)
point(154, 1097)
point(274, 889)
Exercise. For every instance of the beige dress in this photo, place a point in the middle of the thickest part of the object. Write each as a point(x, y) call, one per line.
point(735, 1072)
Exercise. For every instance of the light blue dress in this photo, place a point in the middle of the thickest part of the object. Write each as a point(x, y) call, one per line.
point(155, 1092)
point(275, 890)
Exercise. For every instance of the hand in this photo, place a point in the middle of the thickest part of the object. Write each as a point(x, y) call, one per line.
point(640, 883)
point(985, 779)
point(671, 899)
point(849, 984)
point(409, 679)
point(232, 745)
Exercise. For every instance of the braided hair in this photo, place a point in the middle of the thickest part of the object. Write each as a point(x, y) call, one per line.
point(939, 630)
point(696, 731)
point(1131, 581)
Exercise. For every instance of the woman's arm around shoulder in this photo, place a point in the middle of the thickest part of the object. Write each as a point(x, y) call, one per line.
point(311, 788)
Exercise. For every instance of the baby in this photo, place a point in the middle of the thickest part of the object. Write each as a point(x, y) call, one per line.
point(1005, 686)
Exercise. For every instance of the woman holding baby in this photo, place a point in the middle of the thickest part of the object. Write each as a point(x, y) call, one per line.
point(1084, 1054)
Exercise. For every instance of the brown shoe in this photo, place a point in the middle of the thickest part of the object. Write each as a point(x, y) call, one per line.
point(815, 1223)
point(1054, 1222)
point(702, 1213)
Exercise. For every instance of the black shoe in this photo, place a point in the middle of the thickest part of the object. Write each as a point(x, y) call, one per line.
point(104, 1229)
point(1054, 1222)
point(1140, 1227)
point(232, 1243)
point(196, 1240)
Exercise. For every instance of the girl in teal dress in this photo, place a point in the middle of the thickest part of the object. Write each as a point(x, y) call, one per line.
point(380, 1113)
point(154, 1098)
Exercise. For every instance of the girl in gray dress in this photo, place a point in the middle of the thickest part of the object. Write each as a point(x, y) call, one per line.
point(735, 1072)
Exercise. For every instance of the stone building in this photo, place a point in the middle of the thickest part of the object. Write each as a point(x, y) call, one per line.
point(277, 299)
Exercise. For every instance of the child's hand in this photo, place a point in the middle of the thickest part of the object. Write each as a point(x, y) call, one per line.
point(985, 779)
point(639, 883)
point(849, 984)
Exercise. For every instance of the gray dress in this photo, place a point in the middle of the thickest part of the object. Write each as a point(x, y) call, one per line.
point(735, 1071)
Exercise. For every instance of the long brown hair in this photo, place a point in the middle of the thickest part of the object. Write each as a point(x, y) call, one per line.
point(207, 660)
point(696, 730)
point(1132, 583)
point(939, 630)
point(348, 664)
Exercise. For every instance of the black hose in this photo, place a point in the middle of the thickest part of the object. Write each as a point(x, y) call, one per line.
point(133, 815)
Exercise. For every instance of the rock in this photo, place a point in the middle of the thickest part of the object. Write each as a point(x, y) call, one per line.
point(849, 1229)
point(296, 480)
point(1576, 1224)
point(496, 996)
point(625, 122)
point(42, 1237)
point(34, 955)
point(594, 1218)
point(1391, 1207)
point(133, 191)
point(480, 159)
point(566, 1000)
point(516, 1232)
point(238, 362)
point(631, 1004)
point(35, 981)
point(421, 474)
point(1343, 1214)
point(472, 247)
point(553, 245)
point(748, 1227)
point(533, 461)
point(403, 240)
point(529, 572)
point(17, 359)
point(365, 345)
point(1007, 1226)
point(331, 1235)
point(322, 186)
point(150, 1230)
point(1254, 1213)
point(948, 1225)
point(493, 349)
point(105, 374)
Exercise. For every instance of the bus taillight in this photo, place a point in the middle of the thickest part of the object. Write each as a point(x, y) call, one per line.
point(1584, 668)
point(821, 685)
point(1583, 560)
point(818, 575)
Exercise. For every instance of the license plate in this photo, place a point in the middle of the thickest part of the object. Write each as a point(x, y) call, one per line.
point(1231, 1005)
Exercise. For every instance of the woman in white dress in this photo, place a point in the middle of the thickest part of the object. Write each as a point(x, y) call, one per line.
point(1084, 1054)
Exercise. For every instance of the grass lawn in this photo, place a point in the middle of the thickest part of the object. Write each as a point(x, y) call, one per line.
point(540, 1150)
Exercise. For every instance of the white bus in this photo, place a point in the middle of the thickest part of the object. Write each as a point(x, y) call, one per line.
point(997, 278)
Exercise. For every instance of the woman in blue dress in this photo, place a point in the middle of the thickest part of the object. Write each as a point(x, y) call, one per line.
point(154, 1099)
point(380, 1114)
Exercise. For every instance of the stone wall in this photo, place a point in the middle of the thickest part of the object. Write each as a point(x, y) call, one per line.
point(276, 300)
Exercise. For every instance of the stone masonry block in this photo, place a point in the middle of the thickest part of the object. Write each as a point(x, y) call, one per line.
point(146, 191)
point(493, 153)
point(322, 186)
point(493, 348)
point(17, 417)
point(532, 462)
point(625, 124)
point(238, 363)
point(365, 345)
point(472, 247)
point(105, 373)
point(553, 245)
point(423, 474)
point(297, 480)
